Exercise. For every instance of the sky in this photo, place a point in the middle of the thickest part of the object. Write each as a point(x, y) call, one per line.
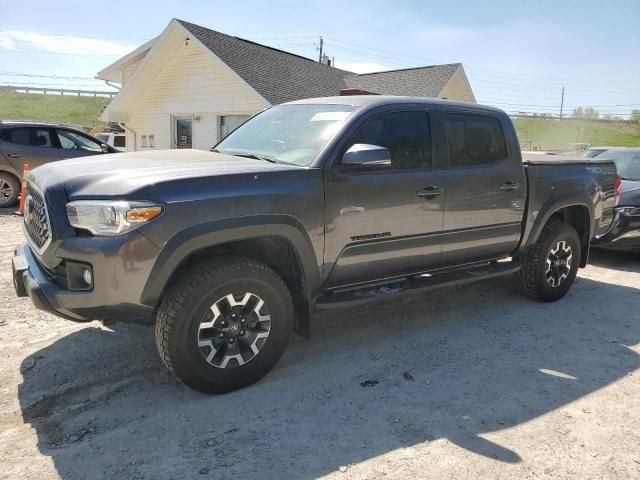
point(517, 54)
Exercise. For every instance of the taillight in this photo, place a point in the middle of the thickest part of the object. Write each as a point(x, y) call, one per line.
point(617, 184)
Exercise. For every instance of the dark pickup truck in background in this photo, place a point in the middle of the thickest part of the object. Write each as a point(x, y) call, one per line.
point(314, 204)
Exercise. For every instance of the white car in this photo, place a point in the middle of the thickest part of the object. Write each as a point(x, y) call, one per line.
point(115, 140)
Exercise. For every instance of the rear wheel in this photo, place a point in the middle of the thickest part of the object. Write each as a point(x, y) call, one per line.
point(224, 325)
point(9, 190)
point(551, 265)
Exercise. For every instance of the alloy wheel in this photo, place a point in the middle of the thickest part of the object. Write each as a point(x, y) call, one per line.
point(558, 264)
point(6, 190)
point(234, 330)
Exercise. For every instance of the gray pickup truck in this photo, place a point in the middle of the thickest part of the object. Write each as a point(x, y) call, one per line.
point(314, 204)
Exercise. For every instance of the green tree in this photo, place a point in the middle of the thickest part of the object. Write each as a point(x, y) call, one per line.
point(635, 115)
point(578, 112)
point(590, 113)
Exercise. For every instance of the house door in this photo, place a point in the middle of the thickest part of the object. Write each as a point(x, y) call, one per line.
point(183, 132)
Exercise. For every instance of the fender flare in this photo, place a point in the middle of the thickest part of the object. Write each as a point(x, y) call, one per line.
point(555, 205)
point(11, 171)
point(219, 232)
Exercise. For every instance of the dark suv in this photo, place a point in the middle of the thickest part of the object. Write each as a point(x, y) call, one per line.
point(37, 144)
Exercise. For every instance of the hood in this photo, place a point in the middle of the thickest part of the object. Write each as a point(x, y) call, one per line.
point(120, 174)
point(630, 193)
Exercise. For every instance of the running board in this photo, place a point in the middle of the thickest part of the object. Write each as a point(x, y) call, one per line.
point(409, 285)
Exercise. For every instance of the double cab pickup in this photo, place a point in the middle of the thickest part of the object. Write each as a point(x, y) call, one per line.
point(315, 204)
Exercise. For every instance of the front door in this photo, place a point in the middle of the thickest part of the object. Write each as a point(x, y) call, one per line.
point(378, 222)
point(74, 144)
point(183, 132)
point(485, 191)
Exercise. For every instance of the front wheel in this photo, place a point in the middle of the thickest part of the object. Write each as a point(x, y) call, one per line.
point(551, 265)
point(9, 190)
point(224, 324)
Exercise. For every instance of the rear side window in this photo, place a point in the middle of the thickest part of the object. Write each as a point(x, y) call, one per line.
point(405, 134)
point(20, 136)
point(474, 140)
point(33, 137)
point(119, 141)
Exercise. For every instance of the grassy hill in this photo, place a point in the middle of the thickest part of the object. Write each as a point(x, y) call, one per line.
point(543, 133)
point(554, 134)
point(69, 109)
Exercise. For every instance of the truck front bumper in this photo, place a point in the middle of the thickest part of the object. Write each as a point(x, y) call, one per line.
point(30, 279)
point(624, 233)
point(114, 295)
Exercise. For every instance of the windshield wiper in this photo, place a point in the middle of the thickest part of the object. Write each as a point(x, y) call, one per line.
point(256, 157)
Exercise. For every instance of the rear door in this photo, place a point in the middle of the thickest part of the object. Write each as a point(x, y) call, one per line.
point(377, 224)
point(75, 144)
point(32, 145)
point(486, 189)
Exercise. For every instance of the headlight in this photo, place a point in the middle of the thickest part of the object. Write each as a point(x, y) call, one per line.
point(111, 218)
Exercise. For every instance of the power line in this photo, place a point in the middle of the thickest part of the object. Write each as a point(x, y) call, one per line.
point(40, 75)
point(501, 73)
point(66, 35)
point(36, 52)
point(359, 48)
point(100, 84)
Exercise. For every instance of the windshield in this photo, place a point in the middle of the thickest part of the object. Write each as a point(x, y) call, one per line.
point(291, 134)
point(593, 152)
point(103, 137)
point(627, 162)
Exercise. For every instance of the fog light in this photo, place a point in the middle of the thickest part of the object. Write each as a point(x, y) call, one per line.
point(87, 277)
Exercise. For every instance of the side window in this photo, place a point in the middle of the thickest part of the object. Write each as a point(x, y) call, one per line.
point(20, 136)
point(43, 138)
point(405, 134)
point(74, 141)
point(119, 141)
point(474, 140)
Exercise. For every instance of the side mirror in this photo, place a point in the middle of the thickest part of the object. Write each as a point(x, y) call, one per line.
point(104, 147)
point(365, 154)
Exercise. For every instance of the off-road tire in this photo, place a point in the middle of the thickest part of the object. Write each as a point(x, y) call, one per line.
point(14, 188)
point(192, 295)
point(532, 275)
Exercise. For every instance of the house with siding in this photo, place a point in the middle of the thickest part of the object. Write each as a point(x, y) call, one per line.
point(190, 86)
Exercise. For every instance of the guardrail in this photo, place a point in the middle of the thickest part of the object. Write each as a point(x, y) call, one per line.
point(61, 91)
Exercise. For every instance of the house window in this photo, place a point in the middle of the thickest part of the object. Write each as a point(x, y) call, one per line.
point(229, 123)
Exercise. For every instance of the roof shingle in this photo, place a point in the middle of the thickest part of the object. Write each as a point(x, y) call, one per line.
point(281, 76)
point(412, 82)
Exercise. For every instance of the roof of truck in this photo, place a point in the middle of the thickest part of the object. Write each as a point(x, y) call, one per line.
point(375, 100)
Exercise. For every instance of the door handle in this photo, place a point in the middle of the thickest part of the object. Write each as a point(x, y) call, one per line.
point(430, 192)
point(509, 186)
point(351, 210)
point(14, 155)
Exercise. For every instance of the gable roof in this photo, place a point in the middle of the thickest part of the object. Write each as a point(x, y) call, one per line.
point(109, 72)
point(276, 75)
point(279, 76)
point(414, 82)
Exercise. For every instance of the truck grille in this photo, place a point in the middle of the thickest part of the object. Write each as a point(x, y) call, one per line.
point(36, 219)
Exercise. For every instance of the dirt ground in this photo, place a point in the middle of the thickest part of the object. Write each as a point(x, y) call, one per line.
point(474, 382)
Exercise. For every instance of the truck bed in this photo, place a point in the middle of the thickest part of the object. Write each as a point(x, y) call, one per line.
point(529, 159)
point(551, 180)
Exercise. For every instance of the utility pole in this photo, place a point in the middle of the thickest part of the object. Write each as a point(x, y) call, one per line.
point(320, 48)
point(562, 102)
